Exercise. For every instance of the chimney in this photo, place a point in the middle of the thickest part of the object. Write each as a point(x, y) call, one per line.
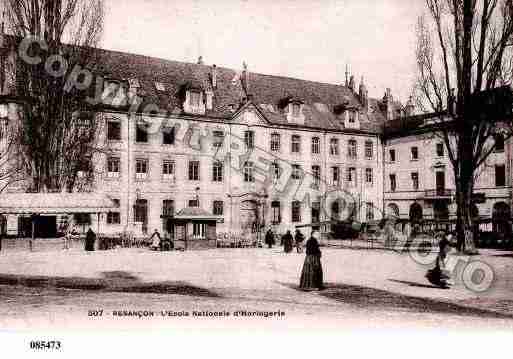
point(409, 108)
point(351, 83)
point(214, 76)
point(387, 101)
point(347, 76)
point(363, 94)
point(245, 77)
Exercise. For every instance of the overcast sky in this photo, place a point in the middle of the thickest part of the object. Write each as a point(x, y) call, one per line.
point(309, 39)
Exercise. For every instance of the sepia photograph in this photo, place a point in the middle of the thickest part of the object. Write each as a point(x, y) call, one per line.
point(285, 166)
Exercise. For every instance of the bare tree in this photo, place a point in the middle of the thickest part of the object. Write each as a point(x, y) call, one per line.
point(58, 126)
point(465, 47)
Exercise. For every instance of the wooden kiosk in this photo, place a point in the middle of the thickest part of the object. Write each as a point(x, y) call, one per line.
point(194, 228)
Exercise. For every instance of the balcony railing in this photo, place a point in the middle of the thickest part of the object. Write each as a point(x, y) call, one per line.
point(439, 193)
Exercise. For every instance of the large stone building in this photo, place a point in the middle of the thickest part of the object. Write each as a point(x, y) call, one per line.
point(256, 150)
point(419, 178)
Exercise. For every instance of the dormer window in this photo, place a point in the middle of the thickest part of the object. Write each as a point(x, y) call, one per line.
point(194, 101)
point(294, 111)
point(134, 83)
point(160, 86)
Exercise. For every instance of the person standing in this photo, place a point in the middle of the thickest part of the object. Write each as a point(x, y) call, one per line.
point(287, 240)
point(67, 236)
point(269, 238)
point(89, 240)
point(311, 275)
point(299, 238)
point(155, 240)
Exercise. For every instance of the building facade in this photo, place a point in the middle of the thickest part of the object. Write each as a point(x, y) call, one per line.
point(256, 150)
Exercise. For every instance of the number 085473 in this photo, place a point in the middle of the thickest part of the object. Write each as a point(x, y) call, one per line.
point(45, 344)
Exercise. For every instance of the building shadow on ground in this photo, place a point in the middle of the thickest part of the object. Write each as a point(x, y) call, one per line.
point(415, 284)
point(112, 281)
point(379, 299)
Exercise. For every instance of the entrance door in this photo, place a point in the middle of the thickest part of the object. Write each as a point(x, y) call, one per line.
point(440, 182)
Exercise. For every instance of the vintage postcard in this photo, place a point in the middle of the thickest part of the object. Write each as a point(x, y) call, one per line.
point(343, 165)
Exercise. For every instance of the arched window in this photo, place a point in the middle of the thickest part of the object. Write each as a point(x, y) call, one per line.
point(501, 218)
point(392, 210)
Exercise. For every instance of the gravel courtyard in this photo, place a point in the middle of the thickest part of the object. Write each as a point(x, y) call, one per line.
point(365, 289)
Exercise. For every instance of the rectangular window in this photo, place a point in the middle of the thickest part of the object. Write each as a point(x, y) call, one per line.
point(168, 208)
point(218, 138)
point(352, 149)
point(296, 211)
point(193, 203)
point(296, 109)
point(440, 149)
point(217, 171)
point(369, 149)
point(296, 172)
point(369, 176)
point(351, 176)
point(276, 212)
point(316, 212)
point(114, 131)
point(141, 134)
point(275, 142)
point(414, 153)
point(249, 175)
point(352, 116)
point(194, 97)
point(295, 144)
point(168, 169)
point(141, 211)
point(275, 170)
point(415, 180)
point(199, 230)
point(316, 145)
point(82, 218)
point(499, 143)
point(316, 171)
point(335, 175)
point(168, 136)
point(392, 155)
point(249, 139)
point(218, 208)
point(334, 147)
point(369, 211)
point(500, 176)
point(393, 184)
point(113, 164)
point(141, 168)
point(194, 171)
point(113, 217)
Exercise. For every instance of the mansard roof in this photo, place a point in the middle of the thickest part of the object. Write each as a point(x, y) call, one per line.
point(319, 99)
point(228, 94)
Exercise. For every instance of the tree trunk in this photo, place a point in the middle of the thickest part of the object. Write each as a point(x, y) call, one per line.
point(465, 236)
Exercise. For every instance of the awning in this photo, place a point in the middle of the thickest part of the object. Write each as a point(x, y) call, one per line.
point(55, 203)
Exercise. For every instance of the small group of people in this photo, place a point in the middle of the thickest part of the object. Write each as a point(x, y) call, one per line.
point(287, 240)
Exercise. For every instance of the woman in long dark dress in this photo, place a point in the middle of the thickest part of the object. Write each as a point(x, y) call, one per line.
point(89, 240)
point(311, 275)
